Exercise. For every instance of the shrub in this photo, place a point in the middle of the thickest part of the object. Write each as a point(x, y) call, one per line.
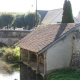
point(11, 55)
point(2, 50)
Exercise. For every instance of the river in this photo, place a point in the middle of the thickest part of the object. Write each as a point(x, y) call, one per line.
point(9, 72)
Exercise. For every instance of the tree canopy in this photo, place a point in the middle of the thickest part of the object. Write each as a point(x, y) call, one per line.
point(19, 21)
point(67, 12)
point(30, 20)
point(26, 20)
point(6, 19)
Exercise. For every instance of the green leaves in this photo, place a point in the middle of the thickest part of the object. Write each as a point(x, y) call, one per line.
point(6, 19)
point(67, 13)
point(11, 55)
point(27, 21)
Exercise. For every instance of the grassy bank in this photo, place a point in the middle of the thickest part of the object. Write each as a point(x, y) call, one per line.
point(10, 55)
point(64, 74)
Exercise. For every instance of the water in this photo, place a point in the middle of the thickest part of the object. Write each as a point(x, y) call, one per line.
point(9, 72)
point(28, 74)
point(15, 75)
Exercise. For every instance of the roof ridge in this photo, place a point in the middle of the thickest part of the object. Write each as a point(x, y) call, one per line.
point(50, 10)
point(42, 10)
point(56, 9)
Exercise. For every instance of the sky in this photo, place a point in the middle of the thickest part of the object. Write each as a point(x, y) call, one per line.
point(30, 5)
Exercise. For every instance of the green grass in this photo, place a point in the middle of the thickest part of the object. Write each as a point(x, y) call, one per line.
point(64, 74)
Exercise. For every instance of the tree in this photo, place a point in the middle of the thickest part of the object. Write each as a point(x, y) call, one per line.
point(30, 20)
point(6, 19)
point(67, 13)
point(19, 21)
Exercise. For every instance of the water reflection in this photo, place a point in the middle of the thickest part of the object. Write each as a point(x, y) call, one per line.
point(5, 68)
point(13, 76)
point(7, 72)
point(16, 67)
point(28, 73)
point(12, 72)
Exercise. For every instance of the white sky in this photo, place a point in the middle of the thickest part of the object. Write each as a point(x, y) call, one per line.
point(26, 5)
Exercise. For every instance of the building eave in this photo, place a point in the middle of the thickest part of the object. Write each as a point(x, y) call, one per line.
point(54, 42)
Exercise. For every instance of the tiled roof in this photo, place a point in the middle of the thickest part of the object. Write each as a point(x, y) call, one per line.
point(43, 36)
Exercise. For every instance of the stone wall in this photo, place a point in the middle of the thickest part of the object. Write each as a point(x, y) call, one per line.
point(10, 37)
point(76, 50)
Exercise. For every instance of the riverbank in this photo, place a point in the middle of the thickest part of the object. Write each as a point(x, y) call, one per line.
point(7, 68)
point(10, 54)
point(7, 72)
point(64, 74)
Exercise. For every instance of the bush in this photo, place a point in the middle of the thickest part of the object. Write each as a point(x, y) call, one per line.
point(2, 50)
point(11, 55)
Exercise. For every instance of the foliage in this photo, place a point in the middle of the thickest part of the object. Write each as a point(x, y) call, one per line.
point(64, 74)
point(19, 21)
point(11, 55)
point(6, 19)
point(67, 13)
point(28, 21)
point(2, 50)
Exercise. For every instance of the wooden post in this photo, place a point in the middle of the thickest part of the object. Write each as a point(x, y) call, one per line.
point(37, 71)
point(28, 58)
point(45, 66)
point(21, 55)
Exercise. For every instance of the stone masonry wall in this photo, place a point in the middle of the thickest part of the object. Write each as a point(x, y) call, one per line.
point(10, 37)
point(76, 50)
